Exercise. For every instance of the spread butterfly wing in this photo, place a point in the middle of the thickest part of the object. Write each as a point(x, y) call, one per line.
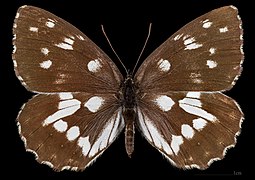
point(190, 129)
point(51, 55)
point(204, 55)
point(69, 130)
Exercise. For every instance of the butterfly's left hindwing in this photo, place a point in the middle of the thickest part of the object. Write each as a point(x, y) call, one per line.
point(190, 129)
point(69, 131)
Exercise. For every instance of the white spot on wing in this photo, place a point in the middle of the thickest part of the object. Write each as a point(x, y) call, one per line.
point(212, 51)
point(73, 133)
point(65, 95)
point(142, 124)
point(191, 44)
point(119, 124)
point(102, 140)
point(80, 37)
point(195, 77)
point(62, 113)
point(50, 23)
point(175, 143)
point(45, 51)
point(193, 94)
point(46, 64)
point(187, 131)
point(164, 65)
point(60, 126)
point(191, 102)
point(199, 123)
point(223, 30)
point(94, 103)
point(64, 46)
point(33, 29)
point(164, 102)
point(197, 111)
point(68, 103)
point(178, 36)
point(158, 140)
point(189, 41)
point(211, 64)
point(207, 23)
point(69, 40)
point(94, 65)
point(84, 143)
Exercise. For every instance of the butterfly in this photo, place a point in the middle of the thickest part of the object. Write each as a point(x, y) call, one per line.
point(83, 102)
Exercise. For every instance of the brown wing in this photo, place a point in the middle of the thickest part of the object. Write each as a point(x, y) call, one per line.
point(190, 129)
point(51, 55)
point(69, 130)
point(204, 55)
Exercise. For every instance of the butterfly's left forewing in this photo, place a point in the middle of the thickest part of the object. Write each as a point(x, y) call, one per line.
point(51, 55)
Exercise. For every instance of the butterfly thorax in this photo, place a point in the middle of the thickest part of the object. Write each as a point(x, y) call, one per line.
point(128, 101)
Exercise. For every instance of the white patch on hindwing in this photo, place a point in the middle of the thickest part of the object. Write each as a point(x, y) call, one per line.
point(94, 103)
point(176, 142)
point(199, 123)
point(187, 131)
point(193, 105)
point(60, 126)
point(73, 133)
point(164, 102)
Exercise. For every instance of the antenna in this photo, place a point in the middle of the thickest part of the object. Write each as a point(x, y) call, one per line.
point(149, 32)
point(113, 49)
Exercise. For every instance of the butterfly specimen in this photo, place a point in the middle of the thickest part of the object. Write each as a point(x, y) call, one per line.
point(83, 102)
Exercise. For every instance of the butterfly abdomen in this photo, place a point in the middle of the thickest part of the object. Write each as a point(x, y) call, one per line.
point(129, 106)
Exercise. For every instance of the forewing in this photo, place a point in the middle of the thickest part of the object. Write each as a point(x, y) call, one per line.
point(204, 55)
point(51, 55)
point(190, 129)
point(69, 130)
